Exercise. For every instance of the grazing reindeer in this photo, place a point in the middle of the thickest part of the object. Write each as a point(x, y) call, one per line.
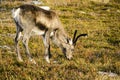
point(29, 18)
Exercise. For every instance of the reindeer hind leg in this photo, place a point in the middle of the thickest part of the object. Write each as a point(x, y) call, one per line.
point(17, 38)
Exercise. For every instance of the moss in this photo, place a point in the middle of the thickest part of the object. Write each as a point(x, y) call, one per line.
point(98, 52)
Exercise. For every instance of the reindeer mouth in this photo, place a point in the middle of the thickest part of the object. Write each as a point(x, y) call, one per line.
point(70, 57)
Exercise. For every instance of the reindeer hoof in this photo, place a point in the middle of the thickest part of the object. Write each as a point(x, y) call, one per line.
point(33, 61)
point(19, 59)
point(47, 59)
point(69, 57)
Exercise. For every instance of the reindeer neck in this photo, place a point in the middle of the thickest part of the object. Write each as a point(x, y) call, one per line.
point(62, 37)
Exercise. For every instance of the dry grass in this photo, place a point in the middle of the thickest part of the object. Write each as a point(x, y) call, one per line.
point(100, 51)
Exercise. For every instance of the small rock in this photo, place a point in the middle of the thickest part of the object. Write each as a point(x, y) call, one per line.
point(45, 7)
point(82, 12)
point(110, 74)
point(37, 2)
point(55, 62)
point(118, 11)
point(5, 47)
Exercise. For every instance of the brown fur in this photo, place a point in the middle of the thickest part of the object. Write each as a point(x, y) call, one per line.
point(32, 18)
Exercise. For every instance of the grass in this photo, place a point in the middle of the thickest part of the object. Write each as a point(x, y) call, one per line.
point(100, 51)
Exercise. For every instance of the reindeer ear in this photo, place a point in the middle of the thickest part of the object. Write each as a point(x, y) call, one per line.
point(70, 41)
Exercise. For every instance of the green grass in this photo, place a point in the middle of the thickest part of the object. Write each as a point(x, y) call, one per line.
point(100, 51)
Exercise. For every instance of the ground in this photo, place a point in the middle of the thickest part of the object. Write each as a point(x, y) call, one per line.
point(96, 57)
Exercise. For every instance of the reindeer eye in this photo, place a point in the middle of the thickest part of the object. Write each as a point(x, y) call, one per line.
point(64, 49)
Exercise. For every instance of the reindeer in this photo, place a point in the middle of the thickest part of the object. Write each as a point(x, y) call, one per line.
point(30, 18)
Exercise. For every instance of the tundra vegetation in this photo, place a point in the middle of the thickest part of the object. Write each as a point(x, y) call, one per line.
point(96, 57)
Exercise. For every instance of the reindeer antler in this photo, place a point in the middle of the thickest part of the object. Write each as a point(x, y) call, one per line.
point(76, 38)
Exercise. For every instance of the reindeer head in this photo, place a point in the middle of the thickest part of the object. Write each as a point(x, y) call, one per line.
point(70, 45)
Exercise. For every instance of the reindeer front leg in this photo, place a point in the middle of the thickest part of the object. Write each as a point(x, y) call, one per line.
point(46, 40)
point(25, 41)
